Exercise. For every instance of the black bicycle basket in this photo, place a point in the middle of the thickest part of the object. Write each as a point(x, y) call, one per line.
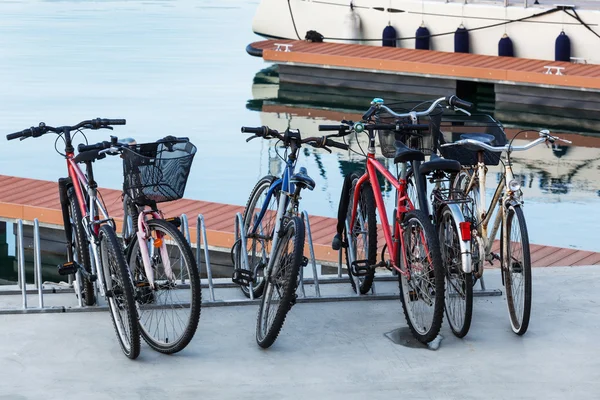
point(157, 172)
point(453, 126)
point(422, 141)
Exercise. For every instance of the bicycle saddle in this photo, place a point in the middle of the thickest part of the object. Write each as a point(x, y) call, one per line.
point(405, 154)
point(303, 180)
point(437, 163)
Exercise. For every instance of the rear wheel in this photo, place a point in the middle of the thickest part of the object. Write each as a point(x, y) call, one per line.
point(459, 285)
point(470, 212)
point(280, 289)
point(516, 268)
point(169, 314)
point(258, 245)
point(80, 248)
point(119, 292)
point(364, 234)
point(422, 280)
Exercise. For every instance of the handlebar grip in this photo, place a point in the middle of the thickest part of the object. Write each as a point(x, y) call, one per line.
point(256, 131)
point(455, 101)
point(369, 113)
point(332, 127)
point(17, 135)
point(331, 143)
point(98, 146)
point(114, 121)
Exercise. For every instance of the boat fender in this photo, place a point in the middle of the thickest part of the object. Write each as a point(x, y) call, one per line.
point(351, 26)
point(422, 38)
point(461, 40)
point(313, 36)
point(389, 36)
point(562, 47)
point(505, 47)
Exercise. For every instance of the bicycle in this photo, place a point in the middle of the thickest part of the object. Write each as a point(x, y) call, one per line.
point(164, 271)
point(452, 227)
point(267, 263)
point(89, 231)
point(514, 255)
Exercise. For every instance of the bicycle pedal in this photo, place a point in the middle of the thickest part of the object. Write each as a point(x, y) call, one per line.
point(242, 277)
point(68, 268)
point(493, 256)
point(516, 268)
point(174, 221)
point(304, 262)
point(361, 268)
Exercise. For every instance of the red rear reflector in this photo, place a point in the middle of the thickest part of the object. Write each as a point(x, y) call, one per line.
point(465, 230)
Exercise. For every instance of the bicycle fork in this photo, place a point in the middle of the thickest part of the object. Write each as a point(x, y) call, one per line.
point(143, 234)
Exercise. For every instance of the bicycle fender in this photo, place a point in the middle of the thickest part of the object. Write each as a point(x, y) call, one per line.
point(465, 245)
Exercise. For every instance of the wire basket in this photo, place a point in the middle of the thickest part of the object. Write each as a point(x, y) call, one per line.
point(157, 172)
point(422, 141)
point(453, 126)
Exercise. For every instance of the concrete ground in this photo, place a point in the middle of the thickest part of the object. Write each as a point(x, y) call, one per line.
point(326, 351)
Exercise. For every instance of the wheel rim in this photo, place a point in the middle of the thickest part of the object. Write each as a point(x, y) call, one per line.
point(418, 290)
point(515, 271)
point(277, 283)
point(456, 285)
point(259, 248)
point(117, 301)
point(164, 313)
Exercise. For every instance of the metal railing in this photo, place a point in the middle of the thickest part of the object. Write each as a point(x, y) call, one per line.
point(317, 280)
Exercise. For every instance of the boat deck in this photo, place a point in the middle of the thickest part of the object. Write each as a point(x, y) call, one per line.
point(27, 199)
point(431, 63)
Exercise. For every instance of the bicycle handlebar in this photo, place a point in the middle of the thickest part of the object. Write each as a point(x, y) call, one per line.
point(544, 136)
point(452, 101)
point(42, 128)
point(291, 134)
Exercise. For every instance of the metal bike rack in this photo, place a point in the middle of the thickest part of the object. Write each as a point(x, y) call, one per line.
point(201, 228)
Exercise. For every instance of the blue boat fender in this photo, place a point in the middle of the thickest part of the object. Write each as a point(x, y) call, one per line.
point(505, 47)
point(422, 38)
point(461, 40)
point(562, 47)
point(389, 36)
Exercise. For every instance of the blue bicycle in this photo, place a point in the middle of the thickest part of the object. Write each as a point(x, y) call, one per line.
point(270, 262)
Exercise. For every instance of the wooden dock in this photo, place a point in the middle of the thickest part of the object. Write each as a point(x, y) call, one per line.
point(551, 92)
point(27, 199)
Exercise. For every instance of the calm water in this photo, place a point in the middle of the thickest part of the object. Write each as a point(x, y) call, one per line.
point(180, 68)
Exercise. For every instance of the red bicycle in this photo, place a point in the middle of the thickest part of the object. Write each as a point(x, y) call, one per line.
point(93, 250)
point(412, 247)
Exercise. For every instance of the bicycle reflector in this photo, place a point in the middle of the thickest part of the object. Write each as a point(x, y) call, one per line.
point(465, 230)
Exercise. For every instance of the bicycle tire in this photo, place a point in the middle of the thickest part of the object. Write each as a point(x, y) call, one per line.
point(285, 279)
point(414, 219)
point(458, 302)
point(149, 301)
point(119, 297)
point(262, 186)
point(366, 204)
point(80, 248)
point(519, 319)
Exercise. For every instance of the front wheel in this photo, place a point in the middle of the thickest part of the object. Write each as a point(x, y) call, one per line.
point(422, 278)
point(282, 281)
point(459, 285)
point(516, 268)
point(169, 313)
point(119, 292)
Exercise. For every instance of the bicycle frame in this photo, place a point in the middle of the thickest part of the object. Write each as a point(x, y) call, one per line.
point(393, 240)
point(90, 221)
point(286, 189)
point(502, 197)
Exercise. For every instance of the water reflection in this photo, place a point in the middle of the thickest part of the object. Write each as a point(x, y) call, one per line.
point(561, 183)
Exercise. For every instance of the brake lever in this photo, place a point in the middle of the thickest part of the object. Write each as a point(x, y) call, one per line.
point(463, 110)
point(251, 137)
point(106, 127)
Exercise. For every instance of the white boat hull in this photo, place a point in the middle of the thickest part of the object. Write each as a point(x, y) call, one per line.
point(533, 38)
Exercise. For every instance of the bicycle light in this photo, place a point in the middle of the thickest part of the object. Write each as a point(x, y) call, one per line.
point(514, 185)
point(465, 230)
point(359, 127)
